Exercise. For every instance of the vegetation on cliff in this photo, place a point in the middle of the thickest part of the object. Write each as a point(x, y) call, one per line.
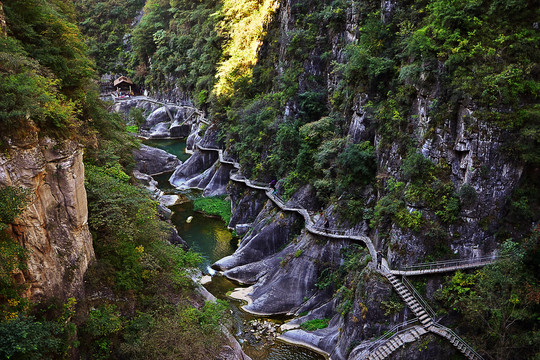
point(403, 73)
point(107, 25)
point(141, 296)
point(289, 95)
point(501, 302)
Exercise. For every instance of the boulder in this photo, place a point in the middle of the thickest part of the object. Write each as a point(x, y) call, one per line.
point(193, 167)
point(153, 161)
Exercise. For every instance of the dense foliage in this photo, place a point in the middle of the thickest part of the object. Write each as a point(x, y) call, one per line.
point(106, 25)
point(13, 201)
point(292, 107)
point(141, 283)
point(217, 205)
point(182, 41)
point(501, 303)
point(285, 102)
point(44, 69)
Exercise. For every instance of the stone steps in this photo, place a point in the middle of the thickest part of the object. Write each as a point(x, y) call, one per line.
point(399, 339)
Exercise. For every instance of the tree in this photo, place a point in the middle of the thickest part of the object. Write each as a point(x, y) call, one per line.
point(500, 303)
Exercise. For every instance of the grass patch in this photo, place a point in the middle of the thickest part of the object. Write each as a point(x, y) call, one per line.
point(315, 324)
point(132, 128)
point(217, 205)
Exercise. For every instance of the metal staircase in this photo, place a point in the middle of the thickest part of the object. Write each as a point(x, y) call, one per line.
point(396, 341)
point(410, 299)
point(455, 340)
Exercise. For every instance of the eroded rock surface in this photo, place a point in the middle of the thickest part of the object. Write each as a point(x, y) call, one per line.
point(54, 226)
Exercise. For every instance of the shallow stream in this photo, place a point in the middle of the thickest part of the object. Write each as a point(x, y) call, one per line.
point(210, 237)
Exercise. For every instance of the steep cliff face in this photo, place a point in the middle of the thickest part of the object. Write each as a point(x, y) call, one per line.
point(54, 226)
point(405, 134)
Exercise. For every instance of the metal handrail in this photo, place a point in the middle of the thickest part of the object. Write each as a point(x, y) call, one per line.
point(419, 298)
point(390, 333)
point(444, 328)
point(279, 198)
point(368, 243)
point(259, 183)
point(449, 263)
point(331, 231)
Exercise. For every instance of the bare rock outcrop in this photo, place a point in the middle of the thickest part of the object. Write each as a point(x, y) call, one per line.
point(54, 226)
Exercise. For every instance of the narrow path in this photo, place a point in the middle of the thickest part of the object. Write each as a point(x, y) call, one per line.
point(445, 266)
point(166, 106)
point(414, 301)
point(425, 315)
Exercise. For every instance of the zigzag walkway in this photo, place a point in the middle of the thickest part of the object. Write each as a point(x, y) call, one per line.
point(282, 205)
point(389, 342)
point(384, 347)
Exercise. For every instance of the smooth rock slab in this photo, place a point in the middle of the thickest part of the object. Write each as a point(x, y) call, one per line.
point(153, 161)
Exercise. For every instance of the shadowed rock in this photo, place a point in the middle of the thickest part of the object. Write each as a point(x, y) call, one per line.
point(153, 161)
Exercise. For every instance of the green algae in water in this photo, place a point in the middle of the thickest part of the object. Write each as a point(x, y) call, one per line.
point(211, 238)
point(207, 235)
point(216, 205)
point(172, 146)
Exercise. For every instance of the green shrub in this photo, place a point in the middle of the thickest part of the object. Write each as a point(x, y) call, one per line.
point(198, 329)
point(417, 167)
point(217, 205)
point(27, 338)
point(13, 201)
point(315, 324)
point(467, 195)
point(132, 129)
point(104, 325)
point(357, 164)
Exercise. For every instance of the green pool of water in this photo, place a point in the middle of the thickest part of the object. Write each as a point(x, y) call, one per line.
point(207, 235)
point(172, 146)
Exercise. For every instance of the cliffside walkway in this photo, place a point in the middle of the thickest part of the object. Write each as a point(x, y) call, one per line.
point(445, 266)
point(420, 308)
point(310, 226)
point(390, 341)
point(167, 105)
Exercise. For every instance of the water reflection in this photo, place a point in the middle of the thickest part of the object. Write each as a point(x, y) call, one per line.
point(206, 235)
